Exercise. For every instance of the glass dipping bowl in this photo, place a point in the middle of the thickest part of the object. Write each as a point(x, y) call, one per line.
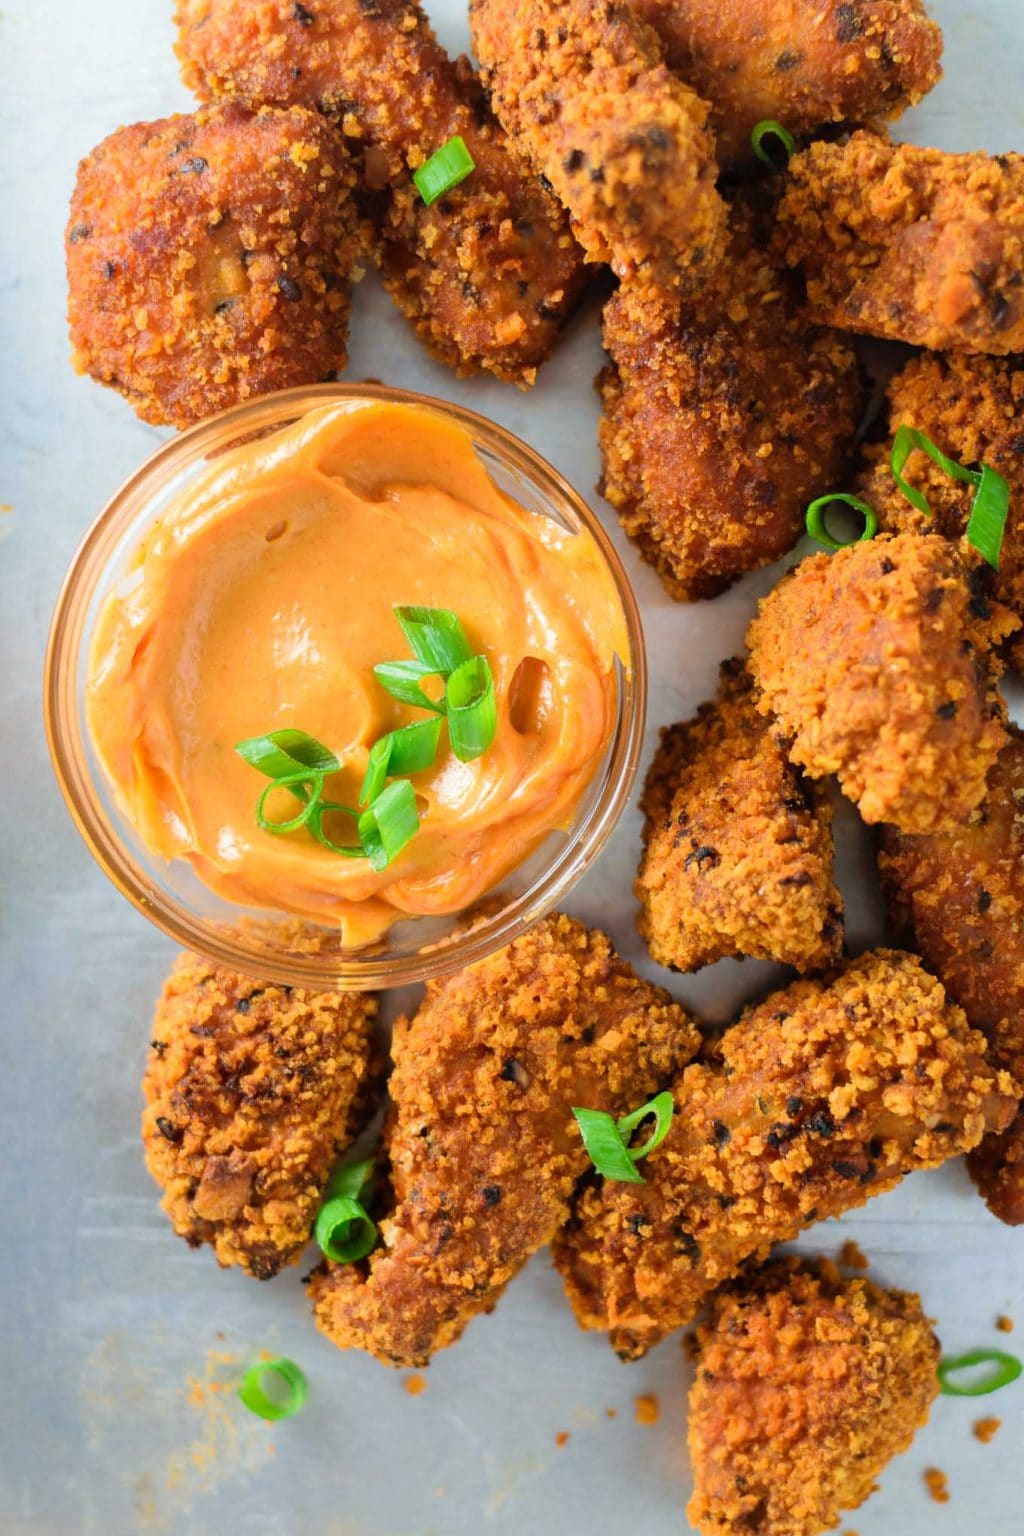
point(268, 944)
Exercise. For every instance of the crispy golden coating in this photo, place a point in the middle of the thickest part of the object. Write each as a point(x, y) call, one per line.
point(208, 259)
point(973, 408)
point(582, 87)
point(803, 63)
point(878, 664)
point(807, 1385)
point(252, 1091)
point(914, 244)
point(722, 417)
point(737, 844)
point(483, 1147)
point(823, 1094)
point(487, 274)
point(959, 897)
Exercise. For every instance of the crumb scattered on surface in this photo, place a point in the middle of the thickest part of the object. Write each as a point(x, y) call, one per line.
point(415, 1384)
point(1004, 1324)
point(852, 1256)
point(611, 1413)
point(562, 1438)
point(648, 1410)
point(986, 1429)
point(937, 1483)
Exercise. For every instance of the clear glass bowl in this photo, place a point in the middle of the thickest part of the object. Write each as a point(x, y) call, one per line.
point(270, 944)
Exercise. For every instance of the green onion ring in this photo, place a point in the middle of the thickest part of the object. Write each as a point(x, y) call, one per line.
point(908, 439)
point(816, 526)
point(989, 511)
point(662, 1107)
point(287, 751)
point(472, 709)
point(285, 1373)
point(444, 170)
point(344, 1232)
point(404, 679)
point(605, 1147)
point(289, 781)
point(1008, 1369)
point(769, 128)
point(316, 826)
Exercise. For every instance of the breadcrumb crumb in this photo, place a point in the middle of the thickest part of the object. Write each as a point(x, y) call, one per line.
point(986, 1430)
point(937, 1484)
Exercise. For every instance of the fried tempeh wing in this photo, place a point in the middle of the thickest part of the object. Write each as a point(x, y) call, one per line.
point(252, 1092)
point(723, 416)
point(879, 667)
point(208, 259)
point(823, 1094)
point(738, 844)
point(488, 273)
point(909, 243)
point(807, 1385)
point(959, 898)
point(803, 63)
point(973, 409)
point(582, 88)
point(484, 1151)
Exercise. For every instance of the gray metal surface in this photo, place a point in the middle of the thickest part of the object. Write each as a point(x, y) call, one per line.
point(120, 1346)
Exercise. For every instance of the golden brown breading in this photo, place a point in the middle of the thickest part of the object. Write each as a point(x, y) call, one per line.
point(722, 417)
point(738, 845)
point(914, 244)
point(208, 259)
point(804, 63)
point(973, 408)
point(488, 273)
point(483, 1147)
point(252, 1091)
point(879, 667)
point(959, 897)
point(807, 1385)
point(582, 87)
point(823, 1094)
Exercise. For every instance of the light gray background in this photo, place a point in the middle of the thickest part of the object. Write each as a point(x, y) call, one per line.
point(111, 1327)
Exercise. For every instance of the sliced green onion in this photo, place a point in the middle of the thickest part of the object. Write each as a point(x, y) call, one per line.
point(1008, 1368)
point(989, 510)
point(605, 1147)
point(448, 166)
point(291, 1389)
point(818, 529)
point(472, 708)
point(436, 637)
point(908, 439)
point(389, 823)
point(285, 752)
point(316, 826)
point(343, 1231)
point(408, 750)
point(292, 782)
point(350, 1179)
point(404, 680)
point(768, 128)
point(662, 1107)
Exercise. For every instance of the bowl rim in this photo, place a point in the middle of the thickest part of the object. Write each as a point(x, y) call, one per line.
point(65, 735)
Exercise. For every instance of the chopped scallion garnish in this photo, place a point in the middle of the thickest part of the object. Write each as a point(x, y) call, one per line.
point(289, 1388)
point(404, 681)
point(908, 439)
point(344, 1232)
point(390, 822)
point(818, 528)
point(990, 505)
point(350, 1179)
point(284, 752)
point(472, 709)
point(444, 170)
point(401, 752)
point(768, 128)
point(1007, 1369)
point(607, 1140)
point(305, 786)
point(436, 637)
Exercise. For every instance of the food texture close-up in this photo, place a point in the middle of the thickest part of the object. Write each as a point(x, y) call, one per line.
point(512, 937)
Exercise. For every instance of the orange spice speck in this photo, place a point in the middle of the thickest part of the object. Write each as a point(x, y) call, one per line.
point(986, 1429)
point(415, 1385)
point(1004, 1324)
point(647, 1409)
point(562, 1438)
point(937, 1483)
point(611, 1413)
point(852, 1256)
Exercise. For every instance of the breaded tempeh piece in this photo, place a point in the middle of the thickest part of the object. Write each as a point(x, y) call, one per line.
point(252, 1092)
point(822, 1095)
point(583, 90)
point(806, 1386)
point(487, 274)
point(878, 665)
point(483, 1147)
point(738, 845)
point(973, 409)
point(723, 416)
point(208, 259)
point(803, 63)
point(913, 244)
point(959, 898)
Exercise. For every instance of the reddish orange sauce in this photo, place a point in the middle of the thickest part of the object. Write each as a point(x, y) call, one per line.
point(263, 598)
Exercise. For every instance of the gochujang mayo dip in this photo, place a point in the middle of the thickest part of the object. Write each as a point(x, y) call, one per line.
point(262, 601)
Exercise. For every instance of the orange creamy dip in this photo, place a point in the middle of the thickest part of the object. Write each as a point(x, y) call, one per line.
point(263, 598)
